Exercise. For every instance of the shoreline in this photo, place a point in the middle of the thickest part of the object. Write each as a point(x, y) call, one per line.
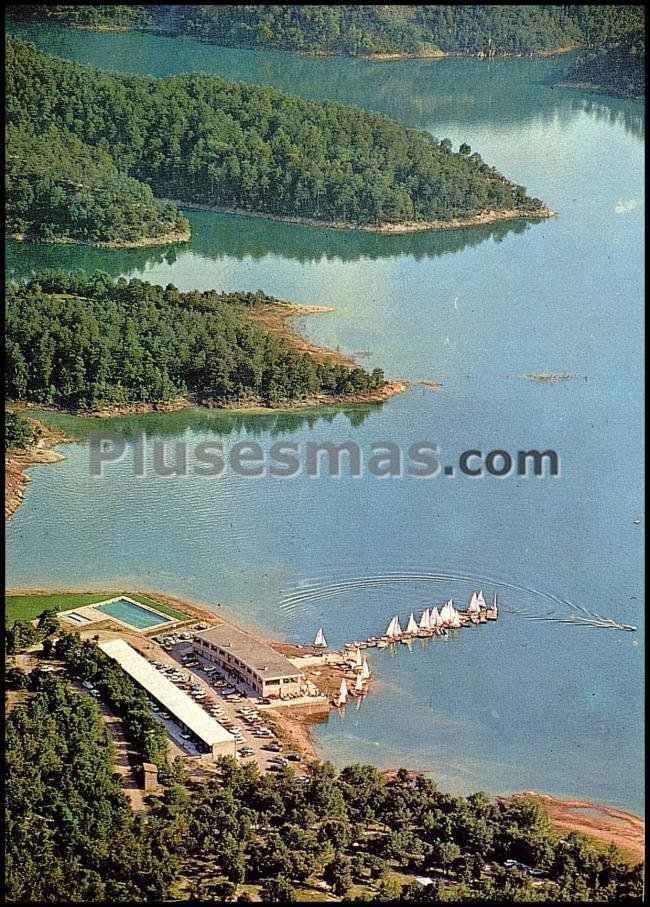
point(22, 459)
point(594, 88)
point(18, 460)
point(390, 389)
point(165, 239)
point(607, 824)
point(602, 822)
point(488, 216)
point(376, 56)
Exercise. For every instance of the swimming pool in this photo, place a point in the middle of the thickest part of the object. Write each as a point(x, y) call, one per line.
point(132, 613)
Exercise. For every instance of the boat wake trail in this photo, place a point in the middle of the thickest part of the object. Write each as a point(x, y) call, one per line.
point(564, 611)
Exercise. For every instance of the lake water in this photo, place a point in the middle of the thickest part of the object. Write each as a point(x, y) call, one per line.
point(520, 704)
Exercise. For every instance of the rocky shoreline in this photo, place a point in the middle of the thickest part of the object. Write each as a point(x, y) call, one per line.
point(18, 460)
point(488, 216)
point(165, 239)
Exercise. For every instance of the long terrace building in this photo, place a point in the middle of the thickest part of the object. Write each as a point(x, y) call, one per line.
point(251, 661)
point(188, 713)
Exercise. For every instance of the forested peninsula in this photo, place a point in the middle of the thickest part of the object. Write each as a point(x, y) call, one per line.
point(617, 69)
point(87, 342)
point(201, 140)
point(384, 30)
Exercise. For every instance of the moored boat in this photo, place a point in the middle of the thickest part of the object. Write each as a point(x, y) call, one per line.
point(411, 627)
point(493, 611)
point(393, 630)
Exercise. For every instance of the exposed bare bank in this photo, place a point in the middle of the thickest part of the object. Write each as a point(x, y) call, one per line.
point(489, 216)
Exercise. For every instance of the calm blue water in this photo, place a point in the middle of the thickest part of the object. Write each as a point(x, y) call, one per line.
point(133, 614)
point(520, 704)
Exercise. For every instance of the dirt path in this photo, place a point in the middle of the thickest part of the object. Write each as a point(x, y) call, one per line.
point(126, 758)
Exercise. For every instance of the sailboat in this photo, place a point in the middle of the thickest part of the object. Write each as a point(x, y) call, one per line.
point(493, 611)
point(450, 615)
point(393, 630)
point(358, 661)
point(474, 608)
point(411, 627)
point(343, 693)
point(320, 642)
point(365, 670)
point(425, 623)
point(481, 600)
point(358, 684)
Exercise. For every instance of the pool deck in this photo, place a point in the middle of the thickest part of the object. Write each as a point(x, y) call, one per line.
point(91, 614)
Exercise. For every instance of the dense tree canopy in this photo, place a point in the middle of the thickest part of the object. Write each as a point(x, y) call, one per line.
point(101, 15)
point(59, 188)
point(618, 69)
point(71, 836)
point(200, 139)
point(19, 431)
point(81, 342)
point(364, 29)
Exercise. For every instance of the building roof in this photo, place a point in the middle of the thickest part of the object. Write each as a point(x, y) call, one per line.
point(257, 655)
point(170, 697)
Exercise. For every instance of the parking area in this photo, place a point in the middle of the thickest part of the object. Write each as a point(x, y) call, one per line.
point(236, 709)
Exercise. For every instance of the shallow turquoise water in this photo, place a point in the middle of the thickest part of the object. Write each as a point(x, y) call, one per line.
point(519, 704)
point(133, 614)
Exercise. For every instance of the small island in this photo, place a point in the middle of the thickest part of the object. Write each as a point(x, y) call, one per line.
point(98, 177)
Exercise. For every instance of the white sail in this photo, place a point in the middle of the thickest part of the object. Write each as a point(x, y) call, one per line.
point(481, 601)
point(343, 692)
point(434, 618)
point(474, 606)
point(357, 658)
point(425, 620)
point(320, 640)
point(365, 670)
point(358, 684)
point(391, 629)
point(445, 613)
point(411, 627)
point(455, 617)
point(397, 629)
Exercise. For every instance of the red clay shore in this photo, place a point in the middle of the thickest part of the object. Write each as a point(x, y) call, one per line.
point(608, 824)
point(18, 461)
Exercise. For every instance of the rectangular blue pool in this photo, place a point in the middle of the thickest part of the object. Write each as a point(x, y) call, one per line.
point(133, 614)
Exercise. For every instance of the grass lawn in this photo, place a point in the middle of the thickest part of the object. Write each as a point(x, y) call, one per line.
point(28, 607)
